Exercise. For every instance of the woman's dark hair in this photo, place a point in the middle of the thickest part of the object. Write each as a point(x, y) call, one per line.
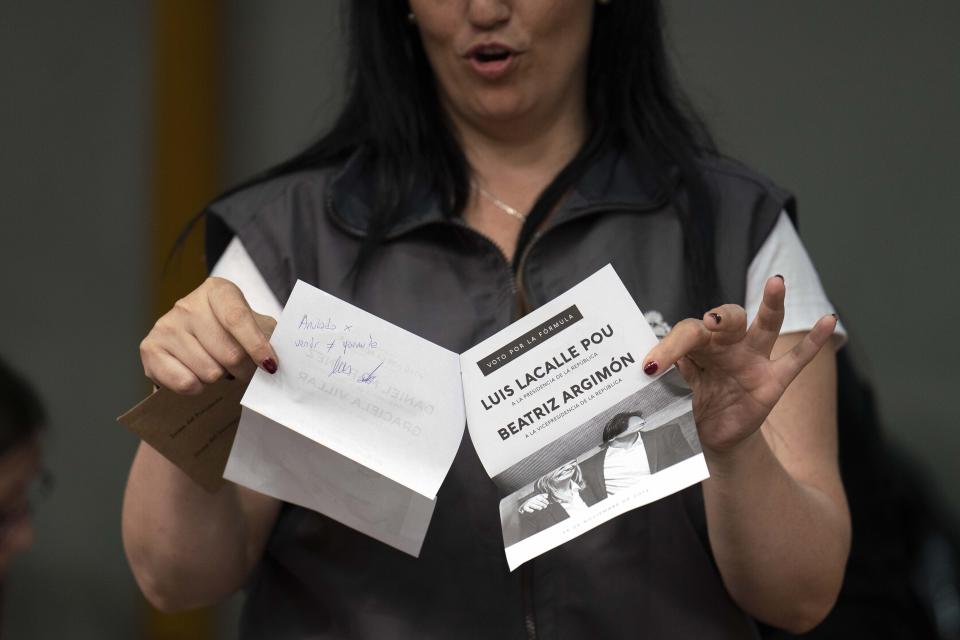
point(21, 411)
point(394, 118)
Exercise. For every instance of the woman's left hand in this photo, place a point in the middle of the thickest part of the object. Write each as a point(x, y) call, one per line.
point(735, 383)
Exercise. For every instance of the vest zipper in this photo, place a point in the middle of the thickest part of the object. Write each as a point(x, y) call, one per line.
point(514, 291)
point(518, 275)
point(518, 299)
point(526, 569)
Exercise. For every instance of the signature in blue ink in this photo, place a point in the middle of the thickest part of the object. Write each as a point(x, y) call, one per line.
point(370, 376)
point(341, 366)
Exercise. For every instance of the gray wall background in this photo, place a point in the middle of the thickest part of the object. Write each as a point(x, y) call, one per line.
point(73, 175)
point(852, 105)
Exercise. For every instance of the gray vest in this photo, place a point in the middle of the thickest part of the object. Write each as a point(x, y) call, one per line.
point(646, 574)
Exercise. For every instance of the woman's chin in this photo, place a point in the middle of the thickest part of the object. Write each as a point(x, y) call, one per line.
point(500, 109)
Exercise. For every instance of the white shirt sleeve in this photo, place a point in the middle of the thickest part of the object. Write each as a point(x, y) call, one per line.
point(237, 266)
point(806, 302)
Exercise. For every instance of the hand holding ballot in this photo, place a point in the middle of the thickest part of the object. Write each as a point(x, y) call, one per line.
point(209, 333)
point(728, 365)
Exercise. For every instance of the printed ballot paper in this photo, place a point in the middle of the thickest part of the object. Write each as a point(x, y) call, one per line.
point(363, 419)
point(567, 424)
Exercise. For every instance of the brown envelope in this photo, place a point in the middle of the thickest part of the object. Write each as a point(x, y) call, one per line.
point(193, 432)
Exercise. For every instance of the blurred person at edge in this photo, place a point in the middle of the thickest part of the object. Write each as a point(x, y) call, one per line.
point(491, 154)
point(22, 423)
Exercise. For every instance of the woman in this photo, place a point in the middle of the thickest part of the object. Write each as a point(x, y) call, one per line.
point(566, 493)
point(491, 154)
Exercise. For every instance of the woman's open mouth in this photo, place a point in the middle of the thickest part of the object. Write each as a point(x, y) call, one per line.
point(491, 61)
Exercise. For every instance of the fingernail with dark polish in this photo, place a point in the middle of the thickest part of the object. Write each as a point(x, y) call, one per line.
point(716, 316)
point(651, 367)
point(270, 365)
point(779, 276)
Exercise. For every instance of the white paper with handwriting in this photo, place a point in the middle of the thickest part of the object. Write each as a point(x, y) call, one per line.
point(365, 419)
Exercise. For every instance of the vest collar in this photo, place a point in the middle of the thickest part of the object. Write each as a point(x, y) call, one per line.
point(612, 182)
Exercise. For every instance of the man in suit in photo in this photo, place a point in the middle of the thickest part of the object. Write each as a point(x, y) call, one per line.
point(631, 451)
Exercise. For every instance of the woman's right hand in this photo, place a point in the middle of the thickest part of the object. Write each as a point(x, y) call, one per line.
point(207, 334)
